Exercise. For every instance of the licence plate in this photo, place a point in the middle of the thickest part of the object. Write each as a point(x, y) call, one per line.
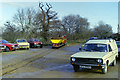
point(16, 47)
point(37, 45)
point(87, 67)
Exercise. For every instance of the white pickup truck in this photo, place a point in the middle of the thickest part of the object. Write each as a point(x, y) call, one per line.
point(96, 54)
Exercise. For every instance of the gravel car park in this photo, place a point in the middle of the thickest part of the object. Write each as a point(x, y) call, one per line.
point(48, 63)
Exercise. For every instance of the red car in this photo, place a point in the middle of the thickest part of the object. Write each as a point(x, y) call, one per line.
point(9, 46)
point(34, 42)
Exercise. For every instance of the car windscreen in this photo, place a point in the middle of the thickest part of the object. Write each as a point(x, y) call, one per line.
point(22, 40)
point(36, 40)
point(95, 47)
point(4, 41)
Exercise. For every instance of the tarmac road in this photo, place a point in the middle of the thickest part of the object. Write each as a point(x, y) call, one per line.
point(48, 63)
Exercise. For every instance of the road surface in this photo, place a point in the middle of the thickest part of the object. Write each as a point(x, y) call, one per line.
point(48, 63)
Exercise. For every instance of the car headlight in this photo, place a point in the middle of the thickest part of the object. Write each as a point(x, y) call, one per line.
point(13, 46)
point(35, 43)
point(40, 42)
point(73, 59)
point(4, 46)
point(99, 60)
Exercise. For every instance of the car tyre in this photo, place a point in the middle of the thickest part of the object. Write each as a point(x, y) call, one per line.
point(14, 49)
point(76, 68)
point(27, 48)
point(104, 70)
point(41, 46)
point(7, 49)
point(31, 46)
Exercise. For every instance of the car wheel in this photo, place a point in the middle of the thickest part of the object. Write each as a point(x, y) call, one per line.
point(7, 49)
point(76, 68)
point(31, 46)
point(14, 50)
point(41, 46)
point(114, 63)
point(27, 48)
point(104, 70)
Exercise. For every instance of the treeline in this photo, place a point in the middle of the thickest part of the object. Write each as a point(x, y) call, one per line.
point(44, 23)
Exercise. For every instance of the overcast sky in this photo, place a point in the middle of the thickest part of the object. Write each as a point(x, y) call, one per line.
point(93, 11)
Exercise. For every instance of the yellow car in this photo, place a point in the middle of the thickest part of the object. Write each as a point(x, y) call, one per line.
point(22, 44)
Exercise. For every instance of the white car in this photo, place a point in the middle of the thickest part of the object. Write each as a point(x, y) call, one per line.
point(2, 47)
point(96, 54)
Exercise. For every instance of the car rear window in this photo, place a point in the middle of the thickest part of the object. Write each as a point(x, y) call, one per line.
point(4, 41)
point(21, 41)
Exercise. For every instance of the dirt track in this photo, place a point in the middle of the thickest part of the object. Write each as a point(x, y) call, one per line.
point(47, 63)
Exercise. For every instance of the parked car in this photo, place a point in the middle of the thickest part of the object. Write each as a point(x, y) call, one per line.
point(58, 41)
point(22, 43)
point(96, 54)
point(34, 42)
point(2, 47)
point(92, 38)
point(9, 46)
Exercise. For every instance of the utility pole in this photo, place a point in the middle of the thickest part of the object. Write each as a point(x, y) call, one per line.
point(118, 29)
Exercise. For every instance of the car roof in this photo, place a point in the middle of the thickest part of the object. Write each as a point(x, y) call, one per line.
point(93, 37)
point(21, 39)
point(33, 38)
point(100, 41)
point(3, 40)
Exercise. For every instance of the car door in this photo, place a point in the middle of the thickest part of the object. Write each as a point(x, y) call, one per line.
point(111, 54)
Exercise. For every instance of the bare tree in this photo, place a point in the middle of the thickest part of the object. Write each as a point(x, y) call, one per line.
point(19, 18)
point(103, 30)
point(75, 26)
point(46, 17)
point(24, 18)
point(10, 32)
